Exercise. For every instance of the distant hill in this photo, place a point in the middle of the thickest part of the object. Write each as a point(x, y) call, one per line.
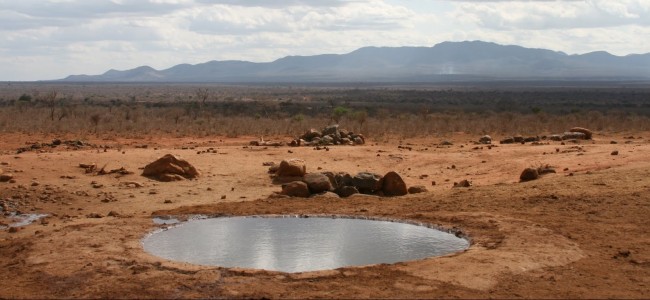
point(448, 61)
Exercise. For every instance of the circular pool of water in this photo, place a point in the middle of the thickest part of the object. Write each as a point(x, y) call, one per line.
point(292, 244)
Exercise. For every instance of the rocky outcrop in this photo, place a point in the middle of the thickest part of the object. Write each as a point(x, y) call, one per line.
point(330, 135)
point(170, 168)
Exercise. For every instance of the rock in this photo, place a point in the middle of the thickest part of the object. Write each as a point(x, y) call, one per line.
point(94, 216)
point(446, 143)
point(615, 152)
point(347, 191)
point(528, 174)
point(291, 168)
point(170, 168)
point(170, 177)
point(574, 136)
point(56, 142)
point(508, 140)
point(311, 134)
point(318, 183)
point(342, 179)
point(462, 183)
point(325, 195)
point(327, 140)
point(6, 177)
point(486, 139)
point(295, 189)
point(367, 182)
point(531, 139)
point(274, 168)
point(358, 139)
point(518, 138)
point(588, 133)
point(393, 185)
point(555, 137)
point(332, 129)
point(417, 189)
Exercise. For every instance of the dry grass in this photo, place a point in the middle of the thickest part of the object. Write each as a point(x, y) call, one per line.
point(139, 120)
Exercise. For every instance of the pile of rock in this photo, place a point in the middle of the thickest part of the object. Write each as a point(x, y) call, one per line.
point(71, 144)
point(340, 184)
point(330, 135)
point(170, 168)
point(575, 133)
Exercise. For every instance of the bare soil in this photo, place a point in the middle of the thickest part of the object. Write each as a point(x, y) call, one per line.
point(579, 233)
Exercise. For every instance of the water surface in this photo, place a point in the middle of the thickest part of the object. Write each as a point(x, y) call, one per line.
point(299, 244)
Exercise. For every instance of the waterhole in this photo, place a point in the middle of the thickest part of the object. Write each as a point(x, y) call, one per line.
point(292, 244)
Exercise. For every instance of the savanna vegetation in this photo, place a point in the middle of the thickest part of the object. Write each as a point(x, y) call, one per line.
point(133, 110)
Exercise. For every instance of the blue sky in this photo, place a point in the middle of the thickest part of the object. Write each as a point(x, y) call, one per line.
point(49, 39)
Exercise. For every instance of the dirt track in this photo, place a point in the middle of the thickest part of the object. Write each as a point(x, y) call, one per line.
point(579, 233)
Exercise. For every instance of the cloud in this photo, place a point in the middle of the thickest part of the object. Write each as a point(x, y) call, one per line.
point(41, 39)
point(545, 15)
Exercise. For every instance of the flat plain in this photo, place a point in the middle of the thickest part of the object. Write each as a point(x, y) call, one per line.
point(581, 232)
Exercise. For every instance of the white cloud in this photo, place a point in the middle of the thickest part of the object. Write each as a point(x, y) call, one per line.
point(46, 39)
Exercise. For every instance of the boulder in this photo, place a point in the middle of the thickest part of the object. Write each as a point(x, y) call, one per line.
point(332, 129)
point(6, 177)
point(417, 189)
point(518, 138)
point(508, 140)
point(327, 140)
point(486, 139)
point(291, 168)
point(367, 182)
point(295, 189)
point(169, 165)
point(393, 185)
point(531, 139)
point(588, 133)
point(342, 179)
point(555, 137)
point(318, 183)
point(570, 135)
point(347, 191)
point(529, 174)
point(358, 139)
point(311, 134)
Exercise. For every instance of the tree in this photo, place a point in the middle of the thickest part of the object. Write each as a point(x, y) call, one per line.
point(202, 95)
point(338, 113)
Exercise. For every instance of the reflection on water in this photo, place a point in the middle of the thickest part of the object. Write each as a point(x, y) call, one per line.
point(299, 244)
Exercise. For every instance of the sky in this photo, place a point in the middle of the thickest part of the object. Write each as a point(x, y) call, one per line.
point(51, 39)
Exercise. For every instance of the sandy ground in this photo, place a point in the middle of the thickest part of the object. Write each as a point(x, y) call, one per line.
point(579, 233)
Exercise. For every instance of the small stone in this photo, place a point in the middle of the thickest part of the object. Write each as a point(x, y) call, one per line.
point(462, 183)
point(615, 152)
point(167, 201)
point(223, 197)
point(417, 189)
point(528, 174)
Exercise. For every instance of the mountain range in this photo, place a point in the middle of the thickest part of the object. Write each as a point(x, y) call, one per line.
point(447, 61)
